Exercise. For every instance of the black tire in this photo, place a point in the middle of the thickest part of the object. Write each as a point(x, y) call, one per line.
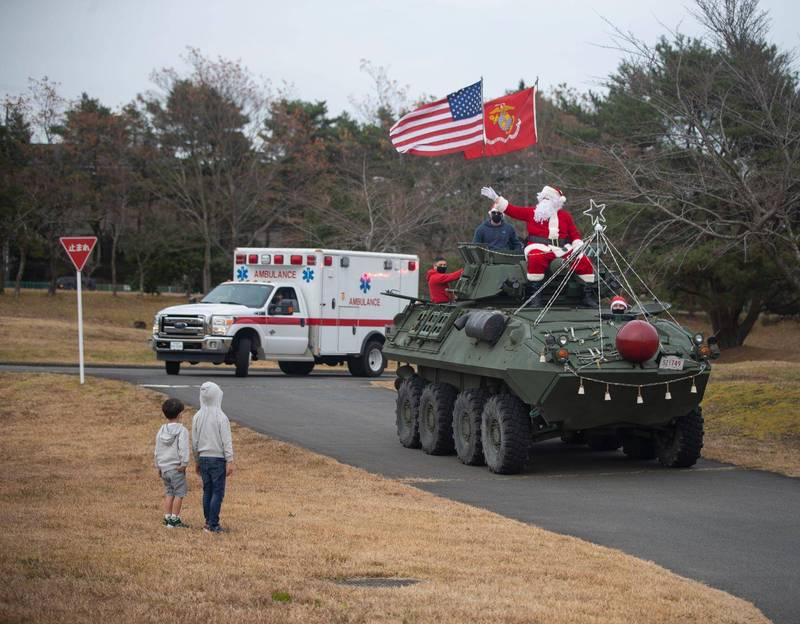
point(467, 411)
point(172, 368)
point(407, 411)
point(505, 433)
point(296, 368)
point(436, 419)
point(370, 363)
point(680, 445)
point(639, 448)
point(603, 442)
point(242, 357)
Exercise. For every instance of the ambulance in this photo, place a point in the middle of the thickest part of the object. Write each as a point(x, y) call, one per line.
point(301, 307)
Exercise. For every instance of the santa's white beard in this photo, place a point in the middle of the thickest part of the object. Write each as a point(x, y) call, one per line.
point(545, 209)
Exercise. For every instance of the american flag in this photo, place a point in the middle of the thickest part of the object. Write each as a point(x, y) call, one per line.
point(446, 126)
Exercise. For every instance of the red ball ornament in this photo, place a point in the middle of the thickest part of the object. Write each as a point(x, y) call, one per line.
point(637, 341)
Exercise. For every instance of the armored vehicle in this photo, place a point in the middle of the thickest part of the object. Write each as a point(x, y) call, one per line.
point(485, 377)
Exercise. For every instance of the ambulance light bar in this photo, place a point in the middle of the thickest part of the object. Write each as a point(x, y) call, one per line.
point(328, 261)
point(412, 266)
point(252, 259)
point(296, 259)
point(265, 258)
point(240, 258)
point(277, 259)
point(311, 260)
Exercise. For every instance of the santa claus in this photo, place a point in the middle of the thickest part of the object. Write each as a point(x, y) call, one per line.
point(551, 234)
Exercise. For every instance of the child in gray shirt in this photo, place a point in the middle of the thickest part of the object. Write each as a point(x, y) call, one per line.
point(171, 458)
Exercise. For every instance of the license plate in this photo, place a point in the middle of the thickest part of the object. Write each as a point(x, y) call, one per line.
point(671, 362)
point(176, 346)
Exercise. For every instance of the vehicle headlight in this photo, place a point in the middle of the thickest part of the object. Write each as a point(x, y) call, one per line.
point(220, 325)
point(156, 324)
point(698, 339)
point(563, 340)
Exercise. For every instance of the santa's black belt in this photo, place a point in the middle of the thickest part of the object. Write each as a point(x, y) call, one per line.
point(548, 241)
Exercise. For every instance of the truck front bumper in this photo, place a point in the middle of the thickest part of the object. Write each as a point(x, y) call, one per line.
point(206, 349)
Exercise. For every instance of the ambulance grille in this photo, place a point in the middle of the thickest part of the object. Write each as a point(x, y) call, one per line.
point(183, 326)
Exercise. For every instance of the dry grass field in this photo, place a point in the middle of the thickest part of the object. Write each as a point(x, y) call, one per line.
point(82, 540)
point(752, 415)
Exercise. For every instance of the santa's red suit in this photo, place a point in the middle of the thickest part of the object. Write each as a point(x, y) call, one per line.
point(551, 234)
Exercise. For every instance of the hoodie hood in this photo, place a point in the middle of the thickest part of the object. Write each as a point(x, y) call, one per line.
point(168, 433)
point(210, 396)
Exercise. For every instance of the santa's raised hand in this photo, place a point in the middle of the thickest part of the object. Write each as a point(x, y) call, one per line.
point(488, 191)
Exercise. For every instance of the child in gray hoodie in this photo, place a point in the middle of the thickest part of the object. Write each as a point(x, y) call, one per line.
point(172, 457)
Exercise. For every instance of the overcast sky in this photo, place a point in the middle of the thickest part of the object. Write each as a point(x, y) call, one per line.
point(109, 48)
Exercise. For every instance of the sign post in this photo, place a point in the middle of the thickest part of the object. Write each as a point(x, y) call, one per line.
point(79, 248)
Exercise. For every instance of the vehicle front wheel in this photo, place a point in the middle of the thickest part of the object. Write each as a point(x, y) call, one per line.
point(296, 368)
point(242, 360)
point(173, 368)
point(505, 433)
point(407, 411)
point(679, 446)
point(436, 419)
point(370, 363)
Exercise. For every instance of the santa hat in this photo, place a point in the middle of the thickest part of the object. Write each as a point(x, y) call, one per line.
point(618, 304)
point(554, 194)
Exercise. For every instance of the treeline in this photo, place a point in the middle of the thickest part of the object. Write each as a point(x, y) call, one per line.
point(694, 146)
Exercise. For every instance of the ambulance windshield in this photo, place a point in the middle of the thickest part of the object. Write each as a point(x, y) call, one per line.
point(250, 295)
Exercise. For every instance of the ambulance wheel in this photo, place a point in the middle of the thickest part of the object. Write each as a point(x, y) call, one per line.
point(296, 368)
point(173, 368)
point(407, 411)
point(368, 364)
point(242, 360)
point(505, 433)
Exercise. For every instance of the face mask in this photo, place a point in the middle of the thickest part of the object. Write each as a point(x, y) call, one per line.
point(496, 217)
point(441, 269)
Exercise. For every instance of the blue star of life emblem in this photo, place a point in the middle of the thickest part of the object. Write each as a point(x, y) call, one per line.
point(308, 274)
point(366, 283)
point(242, 274)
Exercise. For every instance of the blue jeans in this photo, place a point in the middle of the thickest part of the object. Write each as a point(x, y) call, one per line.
point(212, 471)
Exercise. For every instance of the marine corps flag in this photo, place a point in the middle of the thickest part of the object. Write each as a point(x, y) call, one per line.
point(509, 125)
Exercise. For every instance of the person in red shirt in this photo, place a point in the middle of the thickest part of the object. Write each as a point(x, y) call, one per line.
point(551, 234)
point(439, 278)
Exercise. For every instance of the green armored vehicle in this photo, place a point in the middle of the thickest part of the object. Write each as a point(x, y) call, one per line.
point(486, 377)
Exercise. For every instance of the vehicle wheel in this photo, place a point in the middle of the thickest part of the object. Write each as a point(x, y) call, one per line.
point(242, 360)
point(573, 437)
point(436, 419)
point(407, 411)
point(639, 448)
point(680, 445)
point(603, 442)
point(467, 411)
point(505, 433)
point(296, 368)
point(173, 368)
point(368, 364)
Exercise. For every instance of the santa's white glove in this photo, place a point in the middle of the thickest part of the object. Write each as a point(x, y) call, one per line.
point(488, 191)
point(576, 244)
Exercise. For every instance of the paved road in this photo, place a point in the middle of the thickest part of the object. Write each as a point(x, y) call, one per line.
point(734, 529)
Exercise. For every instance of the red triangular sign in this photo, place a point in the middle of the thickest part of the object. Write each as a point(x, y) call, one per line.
point(78, 248)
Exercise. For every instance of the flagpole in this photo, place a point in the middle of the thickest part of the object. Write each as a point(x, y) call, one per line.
point(483, 121)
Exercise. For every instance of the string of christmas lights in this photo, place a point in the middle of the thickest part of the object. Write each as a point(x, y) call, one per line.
point(639, 397)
